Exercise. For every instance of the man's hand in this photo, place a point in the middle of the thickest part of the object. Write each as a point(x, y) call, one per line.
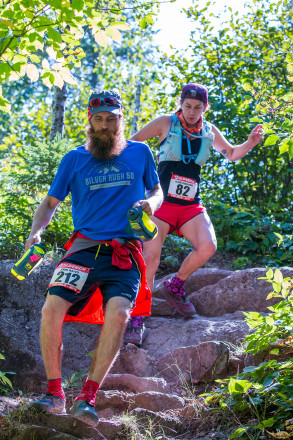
point(32, 240)
point(146, 207)
point(256, 135)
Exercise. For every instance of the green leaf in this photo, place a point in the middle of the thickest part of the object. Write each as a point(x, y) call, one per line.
point(270, 274)
point(5, 105)
point(121, 25)
point(143, 23)
point(239, 432)
point(34, 58)
point(271, 140)
point(276, 287)
point(256, 119)
point(266, 423)
point(288, 97)
point(275, 352)
point(247, 86)
point(77, 4)
point(54, 35)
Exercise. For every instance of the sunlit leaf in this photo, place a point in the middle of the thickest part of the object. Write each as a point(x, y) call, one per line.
point(51, 52)
point(59, 82)
point(114, 33)
point(32, 72)
point(101, 38)
point(271, 140)
point(67, 77)
point(121, 25)
point(45, 64)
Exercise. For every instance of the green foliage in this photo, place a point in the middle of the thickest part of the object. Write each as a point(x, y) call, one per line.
point(263, 393)
point(26, 180)
point(278, 324)
point(5, 383)
point(244, 64)
point(252, 232)
point(75, 380)
point(174, 250)
point(28, 30)
point(241, 263)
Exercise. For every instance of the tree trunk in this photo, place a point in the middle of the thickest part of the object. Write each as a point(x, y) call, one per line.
point(136, 108)
point(58, 110)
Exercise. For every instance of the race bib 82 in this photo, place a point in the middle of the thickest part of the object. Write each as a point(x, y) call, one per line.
point(182, 188)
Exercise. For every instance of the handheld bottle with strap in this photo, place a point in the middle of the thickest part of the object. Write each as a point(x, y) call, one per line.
point(141, 224)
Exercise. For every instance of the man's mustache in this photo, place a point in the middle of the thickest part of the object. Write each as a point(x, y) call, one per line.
point(98, 133)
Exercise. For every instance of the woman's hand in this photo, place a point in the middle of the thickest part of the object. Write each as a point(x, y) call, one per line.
point(256, 135)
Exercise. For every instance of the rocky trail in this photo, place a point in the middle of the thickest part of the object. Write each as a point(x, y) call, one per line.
point(153, 386)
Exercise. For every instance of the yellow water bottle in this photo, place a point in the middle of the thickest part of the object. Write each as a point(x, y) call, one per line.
point(141, 224)
point(29, 261)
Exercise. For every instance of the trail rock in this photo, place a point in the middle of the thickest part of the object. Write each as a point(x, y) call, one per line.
point(205, 361)
point(161, 307)
point(150, 400)
point(242, 290)
point(157, 402)
point(130, 382)
point(132, 360)
point(166, 335)
point(168, 423)
point(196, 281)
point(66, 424)
point(41, 432)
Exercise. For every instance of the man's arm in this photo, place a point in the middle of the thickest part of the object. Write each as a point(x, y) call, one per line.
point(157, 128)
point(42, 218)
point(153, 201)
point(236, 152)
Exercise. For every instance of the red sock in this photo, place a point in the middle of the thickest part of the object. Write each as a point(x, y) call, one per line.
point(89, 392)
point(55, 388)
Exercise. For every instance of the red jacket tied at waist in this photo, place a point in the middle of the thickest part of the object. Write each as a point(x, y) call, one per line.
point(93, 311)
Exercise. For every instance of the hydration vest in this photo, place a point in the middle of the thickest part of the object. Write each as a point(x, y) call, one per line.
point(171, 148)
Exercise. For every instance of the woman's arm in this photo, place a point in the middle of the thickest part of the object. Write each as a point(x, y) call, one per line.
point(157, 128)
point(236, 152)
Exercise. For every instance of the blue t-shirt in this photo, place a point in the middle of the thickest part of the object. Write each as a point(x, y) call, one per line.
point(103, 191)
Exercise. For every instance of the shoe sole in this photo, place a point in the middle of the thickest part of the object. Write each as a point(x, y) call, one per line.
point(168, 297)
point(85, 419)
point(45, 409)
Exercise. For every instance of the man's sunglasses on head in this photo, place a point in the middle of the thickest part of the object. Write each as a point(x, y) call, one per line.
point(98, 102)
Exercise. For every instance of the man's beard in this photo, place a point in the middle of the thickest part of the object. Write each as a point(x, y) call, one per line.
point(103, 144)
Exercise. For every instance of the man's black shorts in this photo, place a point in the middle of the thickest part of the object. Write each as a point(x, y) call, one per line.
point(88, 269)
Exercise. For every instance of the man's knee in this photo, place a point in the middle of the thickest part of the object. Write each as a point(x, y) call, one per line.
point(117, 311)
point(121, 315)
point(54, 308)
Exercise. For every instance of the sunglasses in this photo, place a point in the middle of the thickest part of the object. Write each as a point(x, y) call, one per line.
point(98, 102)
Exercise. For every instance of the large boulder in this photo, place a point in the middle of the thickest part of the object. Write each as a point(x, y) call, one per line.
point(196, 281)
point(241, 290)
point(166, 335)
point(203, 362)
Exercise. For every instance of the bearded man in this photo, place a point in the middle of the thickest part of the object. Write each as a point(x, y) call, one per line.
point(101, 279)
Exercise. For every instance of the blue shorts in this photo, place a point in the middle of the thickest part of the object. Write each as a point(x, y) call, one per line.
point(111, 280)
